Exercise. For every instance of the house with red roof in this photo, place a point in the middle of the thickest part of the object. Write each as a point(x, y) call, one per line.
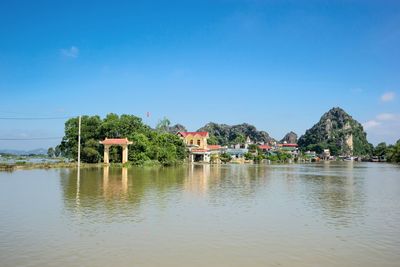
point(265, 148)
point(199, 150)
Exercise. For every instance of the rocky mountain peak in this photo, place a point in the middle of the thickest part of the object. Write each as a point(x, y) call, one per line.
point(290, 138)
point(337, 131)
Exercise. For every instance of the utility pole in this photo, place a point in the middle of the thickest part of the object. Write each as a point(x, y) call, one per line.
point(79, 143)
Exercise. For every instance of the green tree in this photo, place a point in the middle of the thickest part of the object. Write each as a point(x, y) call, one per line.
point(90, 151)
point(380, 150)
point(239, 139)
point(394, 152)
point(225, 157)
point(212, 140)
point(259, 158)
point(163, 125)
point(89, 130)
point(253, 148)
point(148, 145)
point(248, 156)
point(50, 152)
point(57, 151)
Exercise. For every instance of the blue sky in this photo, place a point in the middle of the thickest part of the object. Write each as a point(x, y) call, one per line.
point(276, 64)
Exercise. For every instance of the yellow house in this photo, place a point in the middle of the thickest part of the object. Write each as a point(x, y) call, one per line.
point(195, 139)
point(197, 144)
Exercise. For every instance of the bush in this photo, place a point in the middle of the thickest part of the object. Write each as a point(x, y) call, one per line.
point(225, 157)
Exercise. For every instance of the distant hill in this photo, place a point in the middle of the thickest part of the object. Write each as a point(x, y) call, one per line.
point(290, 138)
point(224, 134)
point(337, 131)
point(176, 128)
point(39, 151)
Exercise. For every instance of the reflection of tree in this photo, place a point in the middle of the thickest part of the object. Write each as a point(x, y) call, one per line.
point(336, 190)
point(118, 191)
point(112, 191)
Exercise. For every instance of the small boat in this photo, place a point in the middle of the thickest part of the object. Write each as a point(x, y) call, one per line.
point(349, 159)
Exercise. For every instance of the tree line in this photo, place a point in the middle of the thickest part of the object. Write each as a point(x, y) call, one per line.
point(390, 152)
point(149, 145)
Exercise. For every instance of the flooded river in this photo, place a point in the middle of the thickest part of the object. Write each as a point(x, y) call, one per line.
point(324, 214)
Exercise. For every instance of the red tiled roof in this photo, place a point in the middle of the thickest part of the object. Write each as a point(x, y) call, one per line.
point(289, 145)
point(264, 147)
point(214, 147)
point(203, 134)
point(116, 141)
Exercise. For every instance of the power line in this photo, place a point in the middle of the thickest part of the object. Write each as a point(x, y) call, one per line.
point(25, 139)
point(35, 118)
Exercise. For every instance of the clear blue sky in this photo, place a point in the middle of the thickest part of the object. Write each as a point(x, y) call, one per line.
point(276, 64)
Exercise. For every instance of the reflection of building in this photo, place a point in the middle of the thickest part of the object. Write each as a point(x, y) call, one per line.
point(198, 177)
point(115, 186)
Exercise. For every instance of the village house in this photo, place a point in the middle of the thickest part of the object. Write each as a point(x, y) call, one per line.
point(196, 142)
point(265, 148)
point(289, 148)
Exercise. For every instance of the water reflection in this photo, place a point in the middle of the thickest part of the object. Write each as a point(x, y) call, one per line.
point(335, 191)
point(200, 215)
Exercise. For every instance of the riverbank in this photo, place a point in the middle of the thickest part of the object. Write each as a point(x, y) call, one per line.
point(72, 165)
point(28, 166)
point(59, 165)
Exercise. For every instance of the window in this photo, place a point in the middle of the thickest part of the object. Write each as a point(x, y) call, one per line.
point(191, 142)
point(198, 142)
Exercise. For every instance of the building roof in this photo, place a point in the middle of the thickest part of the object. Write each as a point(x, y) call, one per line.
point(264, 147)
point(214, 147)
point(290, 145)
point(202, 134)
point(116, 141)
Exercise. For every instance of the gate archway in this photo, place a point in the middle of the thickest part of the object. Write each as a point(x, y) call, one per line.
point(123, 142)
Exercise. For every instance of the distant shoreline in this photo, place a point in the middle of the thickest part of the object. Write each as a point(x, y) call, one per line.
point(73, 165)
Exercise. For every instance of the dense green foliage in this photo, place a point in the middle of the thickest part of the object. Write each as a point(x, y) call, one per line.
point(257, 157)
point(255, 153)
point(148, 145)
point(50, 152)
point(393, 152)
point(163, 125)
point(212, 140)
point(223, 134)
point(279, 157)
point(225, 157)
point(380, 150)
point(57, 151)
point(333, 132)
